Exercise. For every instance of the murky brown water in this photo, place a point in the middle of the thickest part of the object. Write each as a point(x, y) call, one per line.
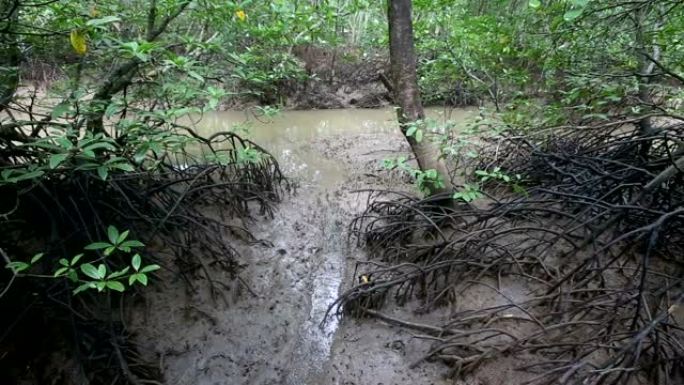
point(289, 134)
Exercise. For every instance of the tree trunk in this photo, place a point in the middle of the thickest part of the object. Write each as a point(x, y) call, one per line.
point(644, 50)
point(406, 92)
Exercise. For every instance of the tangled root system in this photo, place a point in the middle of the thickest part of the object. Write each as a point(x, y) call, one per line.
point(183, 210)
point(597, 241)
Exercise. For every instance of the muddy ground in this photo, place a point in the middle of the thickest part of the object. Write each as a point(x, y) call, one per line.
point(271, 332)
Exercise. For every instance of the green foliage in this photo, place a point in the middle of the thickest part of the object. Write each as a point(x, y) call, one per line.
point(427, 181)
point(415, 131)
point(101, 272)
point(468, 193)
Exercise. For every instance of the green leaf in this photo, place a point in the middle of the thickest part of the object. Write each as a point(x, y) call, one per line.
point(64, 143)
point(136, 262)
point(118, 274)
point(60, 271)
point(90, 270)
point(36, 258)
point(57, 159)
point(103, 172)
point(196, 75)
point(64, 262)
point(60, 110)
point(419, 135)
point(141, 153)
point(534, 3)
point(75, 259)
point(98, 246)
point(123, 166)
point(29, 175)
point(142, 278)
point(102, 21)
point(112, 234)
point(572, 14)
point(98, 145)
point(122, 237)
point(85, 286)
point(116, 286)
point(102, 270)
point(17, 266)
point(150, 268)
point(132, 243)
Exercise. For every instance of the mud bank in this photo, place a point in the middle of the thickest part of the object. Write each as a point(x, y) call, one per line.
point(268, 330)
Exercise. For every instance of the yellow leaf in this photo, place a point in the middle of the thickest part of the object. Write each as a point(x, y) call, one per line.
point(78, 41)
point(94, 12)
point(240, 14)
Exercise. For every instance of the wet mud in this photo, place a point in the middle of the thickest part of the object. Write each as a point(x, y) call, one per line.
point(267, 327)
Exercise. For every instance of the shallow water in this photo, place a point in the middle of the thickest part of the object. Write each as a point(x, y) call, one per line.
point(288, 134)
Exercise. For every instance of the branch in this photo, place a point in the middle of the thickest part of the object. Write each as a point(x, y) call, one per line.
point(666, 174)
point(151, 19)
point(123, 75)
point(663, 68)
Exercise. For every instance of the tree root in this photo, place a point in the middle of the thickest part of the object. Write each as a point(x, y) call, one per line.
point(598, 237)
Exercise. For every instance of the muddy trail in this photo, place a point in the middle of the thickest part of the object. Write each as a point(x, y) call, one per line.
point(268, 329)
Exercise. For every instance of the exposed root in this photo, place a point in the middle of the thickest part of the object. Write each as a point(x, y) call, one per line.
point(183, 209)
point(598, 239)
